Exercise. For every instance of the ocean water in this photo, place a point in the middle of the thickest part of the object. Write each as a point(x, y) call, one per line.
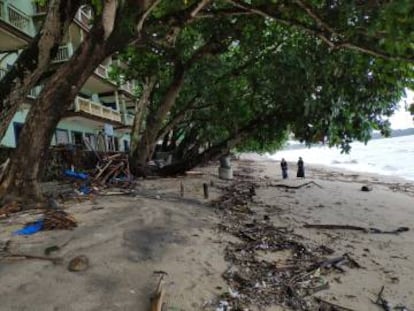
point(386, 156)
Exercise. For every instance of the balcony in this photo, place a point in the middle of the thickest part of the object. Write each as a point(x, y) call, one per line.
point(96, 109)
point(16, 18)
point(84, 17)
point(34, 92)
point(128, 87)
point(102, 71)
point(63, 54)
point(127, 119)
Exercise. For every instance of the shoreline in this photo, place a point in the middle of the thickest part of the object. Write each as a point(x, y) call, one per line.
point(311, 167)
point(128, 237)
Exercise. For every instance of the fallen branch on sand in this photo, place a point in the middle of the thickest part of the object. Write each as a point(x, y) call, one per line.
point(382, 302)
point(332, 305)
point(156, 299)
point(54, 260)
point(6, 253)
point(356, 228)
point(385, 304)
point(336, 262)
point(295, 187)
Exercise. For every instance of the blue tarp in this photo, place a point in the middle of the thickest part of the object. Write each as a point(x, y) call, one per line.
point(85, 189)
point(76, 175)
point(30, 229)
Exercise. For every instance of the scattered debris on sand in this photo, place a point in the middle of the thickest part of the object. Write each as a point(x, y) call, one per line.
point(254, 281)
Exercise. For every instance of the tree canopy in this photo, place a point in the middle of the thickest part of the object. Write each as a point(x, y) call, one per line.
point(220, 74)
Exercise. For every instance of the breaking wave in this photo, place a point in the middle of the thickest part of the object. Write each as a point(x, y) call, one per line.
point(385, 156)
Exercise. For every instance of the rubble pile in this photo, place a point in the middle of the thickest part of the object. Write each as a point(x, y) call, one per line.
point(112, 169)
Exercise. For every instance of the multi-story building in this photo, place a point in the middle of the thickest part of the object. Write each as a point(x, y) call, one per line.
point(102, 113)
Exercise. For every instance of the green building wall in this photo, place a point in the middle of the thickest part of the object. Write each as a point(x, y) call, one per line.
point(9, 139)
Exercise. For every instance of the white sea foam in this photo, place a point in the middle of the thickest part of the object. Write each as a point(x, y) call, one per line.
point(386, 156)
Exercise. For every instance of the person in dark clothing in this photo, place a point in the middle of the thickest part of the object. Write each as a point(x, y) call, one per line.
point(301, 168)
point(284, 166)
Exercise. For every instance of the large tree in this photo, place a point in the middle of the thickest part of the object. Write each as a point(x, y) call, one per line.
point(296, 85)
point(107, 35)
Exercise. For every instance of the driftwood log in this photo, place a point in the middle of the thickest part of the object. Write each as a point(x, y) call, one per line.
point(356, 228)
point(294, 187)
point(55, 260)
point(333, 306)
point(158, 295)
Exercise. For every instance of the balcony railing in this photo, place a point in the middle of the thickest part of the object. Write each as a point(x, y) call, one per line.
point(84, 16)
point(102, 71)
point(18, 19)
point(63, 54)
point(34, 92)
point(96, 109)
point(127, 119)
point(128, 86)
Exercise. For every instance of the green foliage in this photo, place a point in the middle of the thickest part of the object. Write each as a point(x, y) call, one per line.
point(40, 2)
point(263, 67)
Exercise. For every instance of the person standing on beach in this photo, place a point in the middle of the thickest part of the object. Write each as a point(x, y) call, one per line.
point(301, 168)
point(284, 166)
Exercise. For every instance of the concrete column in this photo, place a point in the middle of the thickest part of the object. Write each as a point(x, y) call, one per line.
point(225, 171)
point(117, 101)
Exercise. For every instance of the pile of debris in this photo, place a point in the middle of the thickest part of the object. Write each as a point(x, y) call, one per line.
point(112, 169)
point(58, 220)
point(256, 281)
point(51, 220)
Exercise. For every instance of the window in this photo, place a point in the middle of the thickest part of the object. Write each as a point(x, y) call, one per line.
point(126, 145)
point(77, 138)
point(62, 137)
point(110, 105)
point(116, 144)
point(17, 126)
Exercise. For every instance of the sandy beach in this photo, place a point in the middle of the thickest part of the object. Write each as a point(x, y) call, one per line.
point(129, 237)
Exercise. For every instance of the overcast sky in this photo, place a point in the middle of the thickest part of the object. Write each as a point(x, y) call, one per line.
point(402, 118)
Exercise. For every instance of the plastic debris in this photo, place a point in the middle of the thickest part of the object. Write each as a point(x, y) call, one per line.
point(76, 175)
point(31, 228)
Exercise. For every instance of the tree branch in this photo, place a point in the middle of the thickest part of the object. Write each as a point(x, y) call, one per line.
point(327, 34)
point(144, 16)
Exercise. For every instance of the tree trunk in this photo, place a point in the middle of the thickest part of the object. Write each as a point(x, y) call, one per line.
point(22, 176)
point(140, 112)
point(193, 159)
point(154, 122)
point(147, 142)
point(34, 61)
